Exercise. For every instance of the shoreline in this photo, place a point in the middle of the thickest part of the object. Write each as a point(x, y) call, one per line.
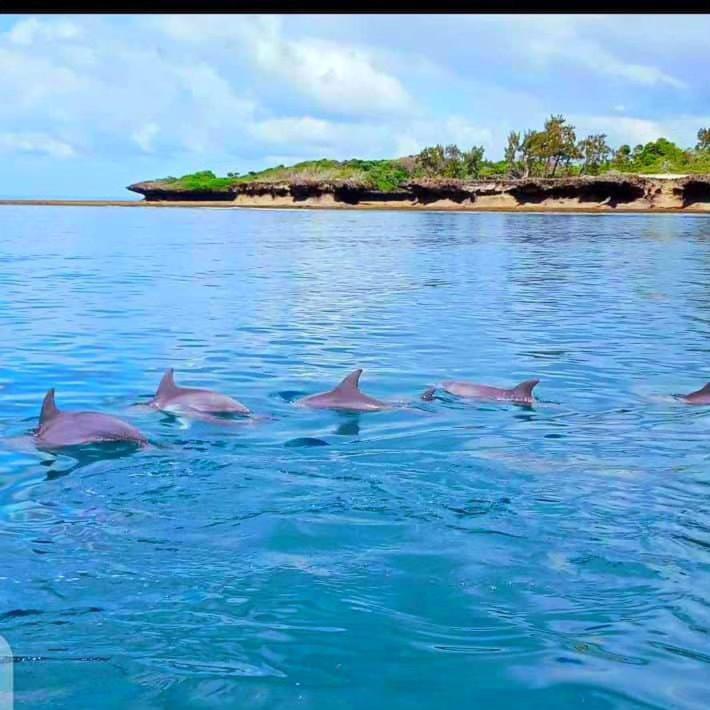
point(395, 205)
point(592, 194)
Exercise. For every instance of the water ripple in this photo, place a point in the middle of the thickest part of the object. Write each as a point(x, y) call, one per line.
point(432, 555)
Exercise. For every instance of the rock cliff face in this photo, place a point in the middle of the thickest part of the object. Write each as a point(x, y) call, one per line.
point(159, 191)
point(607, 192)
point(694, 191)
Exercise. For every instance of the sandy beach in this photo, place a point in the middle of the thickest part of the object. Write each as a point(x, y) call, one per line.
point(327, 203)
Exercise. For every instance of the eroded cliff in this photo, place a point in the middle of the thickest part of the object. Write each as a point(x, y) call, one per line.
point(608, 192)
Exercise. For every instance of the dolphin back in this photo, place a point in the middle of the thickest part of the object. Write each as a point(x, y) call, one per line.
point(78, 428)
point(346, 396)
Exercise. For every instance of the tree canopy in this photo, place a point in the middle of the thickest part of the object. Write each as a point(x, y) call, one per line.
point(552, 151)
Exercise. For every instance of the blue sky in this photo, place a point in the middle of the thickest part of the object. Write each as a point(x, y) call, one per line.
point(89, 104)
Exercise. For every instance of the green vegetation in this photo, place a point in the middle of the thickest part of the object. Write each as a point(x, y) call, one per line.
point(553, 151)
point(204, 180)
point(662, 156)
point(383, 175)
point(450, 162)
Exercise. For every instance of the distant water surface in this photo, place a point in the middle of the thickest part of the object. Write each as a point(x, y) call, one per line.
point(440, 555)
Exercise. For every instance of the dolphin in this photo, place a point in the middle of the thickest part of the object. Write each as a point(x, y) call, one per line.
point(57, 429)
point(701, 396)
point(520, 394)
point(346, 396)
point(187, 400)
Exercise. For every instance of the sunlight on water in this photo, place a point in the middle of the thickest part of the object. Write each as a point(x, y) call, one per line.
point(442, 554)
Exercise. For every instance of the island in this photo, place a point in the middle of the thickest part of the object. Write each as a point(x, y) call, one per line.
point(542, 170)
point(622, 193)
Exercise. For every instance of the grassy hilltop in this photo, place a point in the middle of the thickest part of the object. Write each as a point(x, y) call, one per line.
point(553, 151)
point(383, 175)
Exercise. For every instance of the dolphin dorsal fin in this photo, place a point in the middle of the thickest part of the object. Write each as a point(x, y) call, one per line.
point(167, 385)
point(525, 389)
point(702, 390)
point(351, 383)
point(49, 408)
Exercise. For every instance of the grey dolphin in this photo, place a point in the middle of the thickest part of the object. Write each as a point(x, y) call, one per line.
point(520, 394)
point(346, 396)
point(701, 396)
point(188, 400)
point(57, 429)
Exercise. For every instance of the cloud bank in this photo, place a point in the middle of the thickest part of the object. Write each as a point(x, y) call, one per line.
point(131, 97)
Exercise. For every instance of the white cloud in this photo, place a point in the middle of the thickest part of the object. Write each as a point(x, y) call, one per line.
point(315, 137)
point(309, 137)
point(620, 129)
point(31, 83)
point(627, 129)
point(38, 143)
point(144, 136)
point(338, 77)
point(412, 136)
point(595, 57)
point(303, 129)
point(212, 91)
point(569, 38)
point(210, 28)
point(31, 30)
point(464, 132)
point(106, 89)
point(209, 91)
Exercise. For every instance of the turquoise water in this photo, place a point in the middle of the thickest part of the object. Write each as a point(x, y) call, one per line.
point(439, 555)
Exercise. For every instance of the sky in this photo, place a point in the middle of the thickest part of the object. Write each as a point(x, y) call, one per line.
point(92, 103)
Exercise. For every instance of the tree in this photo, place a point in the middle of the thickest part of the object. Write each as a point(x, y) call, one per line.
point(431, 161)
point(595, 152)
point(703, 140)
point(511, 149)
point(622, 156)
point(512, 158)
point(659, 156)
point(450, 161)
point(453, 162)
point(473, 161)
point(529, 153)
point(557, 144)
point(542, 152)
